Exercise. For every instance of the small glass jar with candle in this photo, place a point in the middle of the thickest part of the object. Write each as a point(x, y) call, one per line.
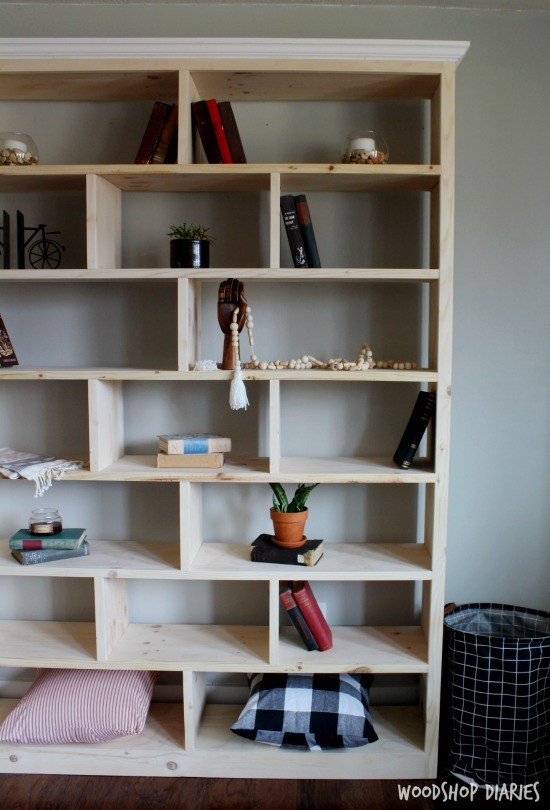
point(17, 149)
point(366, 147)
point(45, 521)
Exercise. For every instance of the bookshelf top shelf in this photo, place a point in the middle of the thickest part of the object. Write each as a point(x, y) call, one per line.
point(225, 177)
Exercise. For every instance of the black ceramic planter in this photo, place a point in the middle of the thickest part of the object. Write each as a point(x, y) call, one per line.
point(189, 253)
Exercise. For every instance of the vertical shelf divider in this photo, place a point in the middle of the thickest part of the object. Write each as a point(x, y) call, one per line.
point(274, 610)
point(103, 224)
point(190, 522)
point(274, 221)
point(106, 423)
point(111, 599)
point(187, 94)
point(274, 427)
point(189, 327)
point(194, 698)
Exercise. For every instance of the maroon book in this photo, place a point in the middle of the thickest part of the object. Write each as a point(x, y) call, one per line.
point(7, 354)
point(205, 128)
point(152, 132)
point(219, 131)
point(311, 612)
point(231, 131)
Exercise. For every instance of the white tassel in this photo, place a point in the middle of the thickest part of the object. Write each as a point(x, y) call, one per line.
point(237, 392)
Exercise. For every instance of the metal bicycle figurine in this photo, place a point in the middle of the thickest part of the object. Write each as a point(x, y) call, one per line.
point(42, 253)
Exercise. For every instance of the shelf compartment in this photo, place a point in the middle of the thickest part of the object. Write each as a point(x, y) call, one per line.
point(140, 560)
point(398, 753)
point(153, 752)
point(47, 643)
point(358, 649)
point(353, 561)
point(200, 647)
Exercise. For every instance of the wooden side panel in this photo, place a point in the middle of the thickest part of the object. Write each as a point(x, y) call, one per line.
point(194, 698)
point(111, 597)
point(103, 223)
point(190, 522)
point(189, 327)
point(188, 93)
point(274, 222)
point(274, 426)
point(106, 427)
point(274, 644)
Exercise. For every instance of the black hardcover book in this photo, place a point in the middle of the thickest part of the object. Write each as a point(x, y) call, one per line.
point(263, 550)
point(5, 241)
point(424, 409)
point(20, 235)
point(231, 132)
point(297, 618)
point(306, 229)
point(295, 240)
point(206, 131)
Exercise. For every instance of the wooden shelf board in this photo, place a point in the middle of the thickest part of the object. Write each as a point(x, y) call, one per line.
point(138, 560)
point(358, 649)
point(47, 644)
point(201, 647)
point(251, 470)
point(212, 177)
point(217, 274)
point(311, 375)
point(349, 561)
point(100, 84)
point(398, 753)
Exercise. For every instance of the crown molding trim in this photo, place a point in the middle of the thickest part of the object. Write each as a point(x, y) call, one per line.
point(232, 48)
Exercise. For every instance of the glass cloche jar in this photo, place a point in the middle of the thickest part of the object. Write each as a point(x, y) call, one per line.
point(366, 147)
point(17, 149)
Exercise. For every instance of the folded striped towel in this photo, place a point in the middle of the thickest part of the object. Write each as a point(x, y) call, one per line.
point(43, 470)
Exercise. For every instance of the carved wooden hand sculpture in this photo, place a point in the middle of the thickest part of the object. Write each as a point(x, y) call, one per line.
point(230, 296)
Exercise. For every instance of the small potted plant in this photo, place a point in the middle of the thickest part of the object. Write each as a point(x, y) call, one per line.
point(289, 518)
point(189, 245)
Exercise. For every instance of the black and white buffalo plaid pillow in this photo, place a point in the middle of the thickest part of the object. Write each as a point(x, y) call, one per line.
point(308, 711)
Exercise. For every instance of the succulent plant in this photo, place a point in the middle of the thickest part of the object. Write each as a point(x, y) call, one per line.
point(189, 231)
point(297, 504)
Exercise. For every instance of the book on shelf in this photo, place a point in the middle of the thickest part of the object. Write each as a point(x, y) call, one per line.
point(219, 131)
point(164, 150)
point(50, 554)
point(306, 601)
point(23, 540)
point(231, 131)
point(293, 232)
point(193, 443)
point(205, 128)
point(152, 133)
point(5, 242)
point(263, 550)
point(7, 353)
point(424, 409)
point(306, 229)
point(296, 617)
point(190, 461)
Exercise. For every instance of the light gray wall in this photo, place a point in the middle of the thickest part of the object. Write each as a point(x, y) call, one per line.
point(499, 513)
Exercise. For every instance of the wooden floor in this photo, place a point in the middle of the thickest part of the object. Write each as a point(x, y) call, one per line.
point(121, 793)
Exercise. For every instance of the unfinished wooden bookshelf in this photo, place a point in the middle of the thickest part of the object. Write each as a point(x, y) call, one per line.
point(191, 737)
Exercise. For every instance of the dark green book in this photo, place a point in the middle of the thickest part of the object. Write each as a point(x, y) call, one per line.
point(50, 554)
point(263, 550)
point(23, 540)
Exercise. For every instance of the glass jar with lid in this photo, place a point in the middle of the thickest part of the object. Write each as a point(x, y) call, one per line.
point(17, 149)
point(45, 521)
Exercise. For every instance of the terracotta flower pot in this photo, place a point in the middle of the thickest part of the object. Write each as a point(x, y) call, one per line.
point(288, 528)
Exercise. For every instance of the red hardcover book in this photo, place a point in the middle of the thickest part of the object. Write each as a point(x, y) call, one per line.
point(205, 128)
point(219, 131)
point(311, 612)
point(231, 131)
point(296, 617)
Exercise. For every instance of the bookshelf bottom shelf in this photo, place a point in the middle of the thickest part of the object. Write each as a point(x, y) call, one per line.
point(159, 751)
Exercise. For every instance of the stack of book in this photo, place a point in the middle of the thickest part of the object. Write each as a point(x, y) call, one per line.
point(303, 609)
point(192, 450)
point(160, 140)
point(218, 131)
point(264, 550)
point(30, 549)
point(299, 230)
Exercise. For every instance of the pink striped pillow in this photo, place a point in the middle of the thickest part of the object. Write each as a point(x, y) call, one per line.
point(80, 706)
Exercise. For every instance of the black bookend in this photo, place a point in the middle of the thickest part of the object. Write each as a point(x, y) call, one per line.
point(20, 241)
point(5, 241)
